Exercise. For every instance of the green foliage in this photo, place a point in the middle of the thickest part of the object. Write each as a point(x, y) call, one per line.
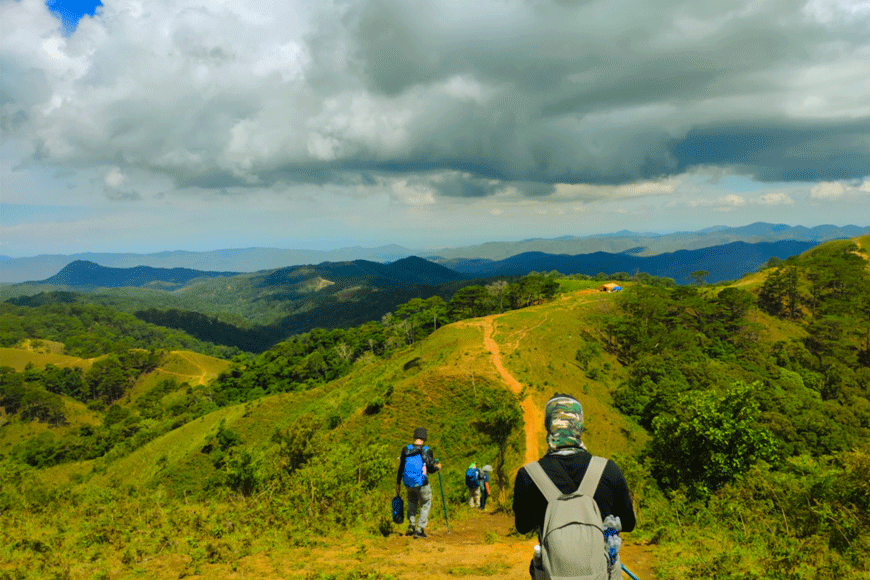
point(500, 417)
point(244, 472)
point(808, 519)
point(89, 330)
point(319, 356)
point(724, 512)
point(710, 440)
point(336, 486)
point(40, 405)
point(589, 350)
point(299, 442)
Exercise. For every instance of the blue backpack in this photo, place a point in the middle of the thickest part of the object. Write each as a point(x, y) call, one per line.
point(398, 507)
point(471, 478)
point(413, 475)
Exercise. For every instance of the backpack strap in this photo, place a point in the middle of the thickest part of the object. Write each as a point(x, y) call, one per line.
point(592, 476)
point(542, 480)
point(549, 490)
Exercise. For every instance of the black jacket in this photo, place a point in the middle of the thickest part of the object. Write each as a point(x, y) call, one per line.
point(612, 494)
point(428, 460)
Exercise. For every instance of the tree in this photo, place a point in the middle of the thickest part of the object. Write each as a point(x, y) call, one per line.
point(779, 295)
point(709, 440)
point(470, 301)
point(436, 310)
point(40, 405)
point(107, 379)
point(497, 290)
point(297, 444)
point(589, 350)
point(698, 276)
point(500, 417)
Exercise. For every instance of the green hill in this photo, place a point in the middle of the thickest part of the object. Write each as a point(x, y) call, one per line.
point(739, 414)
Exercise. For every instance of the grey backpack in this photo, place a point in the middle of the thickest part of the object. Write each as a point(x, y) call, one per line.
point(572, 539)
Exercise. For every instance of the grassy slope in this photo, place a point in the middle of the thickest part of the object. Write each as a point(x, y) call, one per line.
point(433, 383)
point(181, 366)
point(19, 358)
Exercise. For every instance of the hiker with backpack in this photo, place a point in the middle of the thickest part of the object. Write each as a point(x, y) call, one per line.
point(472, 482)
point(588, 489)
point(415, 465)
point(484, 485)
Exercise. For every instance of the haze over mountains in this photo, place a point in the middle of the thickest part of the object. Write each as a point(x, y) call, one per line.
point(726, 262)
point(14, 270)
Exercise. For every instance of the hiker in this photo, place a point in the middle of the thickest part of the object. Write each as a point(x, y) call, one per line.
point(472, 482)
point(484, 485)
point(415, 465)
point(565, 465)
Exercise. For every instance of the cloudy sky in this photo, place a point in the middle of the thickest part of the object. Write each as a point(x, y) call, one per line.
point(151, 125)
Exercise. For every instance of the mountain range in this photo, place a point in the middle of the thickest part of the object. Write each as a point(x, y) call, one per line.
point(725, 262)
point(15, 270)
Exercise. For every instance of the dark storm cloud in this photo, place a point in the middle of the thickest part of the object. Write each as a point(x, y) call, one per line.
point(499, 93)
point(814, 152)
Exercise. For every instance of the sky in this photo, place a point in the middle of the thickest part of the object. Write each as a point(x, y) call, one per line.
point(157, 125)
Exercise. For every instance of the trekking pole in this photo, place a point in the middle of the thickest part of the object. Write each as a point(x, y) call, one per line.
point(627, 571)
point(443, 503)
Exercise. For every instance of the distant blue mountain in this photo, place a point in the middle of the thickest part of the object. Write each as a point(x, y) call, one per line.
point(412, 271)
point(257, 259)
point(726, 262)
point(90, 275)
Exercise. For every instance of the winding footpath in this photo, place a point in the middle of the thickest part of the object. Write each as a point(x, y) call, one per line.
point(637, 556)
point(532, 415)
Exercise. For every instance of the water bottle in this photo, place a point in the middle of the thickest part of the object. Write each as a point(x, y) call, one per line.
point(612, 541)
point(538, 563)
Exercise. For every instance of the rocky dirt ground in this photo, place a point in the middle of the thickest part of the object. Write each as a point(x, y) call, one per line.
point(479, 546)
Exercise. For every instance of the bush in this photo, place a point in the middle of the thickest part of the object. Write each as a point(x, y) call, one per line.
point(709, 440)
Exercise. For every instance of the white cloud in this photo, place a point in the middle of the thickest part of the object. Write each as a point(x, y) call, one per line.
point(524, 108)
point(777, 198)
point(288, 91)
point(833, 11)
point(828, 190)
point(114, 178)
point(732, 200)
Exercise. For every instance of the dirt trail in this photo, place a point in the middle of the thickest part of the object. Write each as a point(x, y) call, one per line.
point(637, 557)
point(532, 415)
point(201, 380)
point(479, 545)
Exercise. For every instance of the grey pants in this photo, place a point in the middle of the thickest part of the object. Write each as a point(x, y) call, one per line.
point(474, 497)
point(419, 500)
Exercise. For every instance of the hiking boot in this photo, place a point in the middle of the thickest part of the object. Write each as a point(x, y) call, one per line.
point(410, 532)
point(421, 533)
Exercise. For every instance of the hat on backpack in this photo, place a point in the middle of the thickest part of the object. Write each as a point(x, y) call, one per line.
point(563, 419)
point(420, 433)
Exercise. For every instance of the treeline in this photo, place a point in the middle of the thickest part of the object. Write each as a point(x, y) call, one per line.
point(319, 356)
point(123, 429)
point(35, 393)
point(812, 391)
point(89, 330)
point(472, 299)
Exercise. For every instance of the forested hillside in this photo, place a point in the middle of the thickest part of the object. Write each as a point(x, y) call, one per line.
point(740, 415)
point(250, 312)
